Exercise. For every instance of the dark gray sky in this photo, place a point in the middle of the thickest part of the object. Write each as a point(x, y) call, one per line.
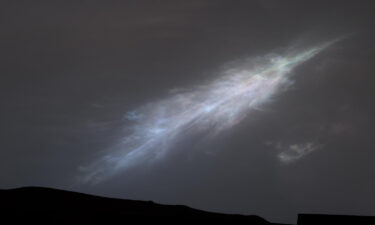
point(69, 71)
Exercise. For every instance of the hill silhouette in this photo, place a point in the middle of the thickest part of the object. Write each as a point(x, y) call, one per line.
point(45, 205)
point(52, 206)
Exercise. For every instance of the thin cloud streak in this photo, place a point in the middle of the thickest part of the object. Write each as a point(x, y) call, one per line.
point(156, 128)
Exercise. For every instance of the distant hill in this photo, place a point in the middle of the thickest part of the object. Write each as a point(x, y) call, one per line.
point(38, 205)
point(46, 205)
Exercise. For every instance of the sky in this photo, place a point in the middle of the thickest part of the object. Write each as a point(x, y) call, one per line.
point(79, 79)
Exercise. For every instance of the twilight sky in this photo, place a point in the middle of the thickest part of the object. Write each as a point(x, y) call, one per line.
point(77, 78)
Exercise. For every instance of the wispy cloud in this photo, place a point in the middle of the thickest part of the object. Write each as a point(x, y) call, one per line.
point(295, 152)
point(207, 110)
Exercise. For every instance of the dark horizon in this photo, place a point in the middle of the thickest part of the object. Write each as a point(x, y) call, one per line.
point(42, 205)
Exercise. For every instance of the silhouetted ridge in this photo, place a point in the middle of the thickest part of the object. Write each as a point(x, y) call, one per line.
point(47, 204)
point(313, 219)
point(51, 206)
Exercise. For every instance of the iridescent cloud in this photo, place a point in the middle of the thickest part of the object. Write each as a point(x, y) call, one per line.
point(156, 128)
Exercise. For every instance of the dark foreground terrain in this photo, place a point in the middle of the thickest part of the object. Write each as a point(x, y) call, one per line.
point(46, 205)
point(50, 206)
